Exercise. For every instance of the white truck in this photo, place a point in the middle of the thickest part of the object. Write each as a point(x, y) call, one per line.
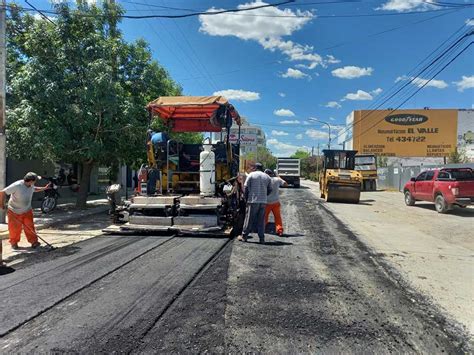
point(289, 169)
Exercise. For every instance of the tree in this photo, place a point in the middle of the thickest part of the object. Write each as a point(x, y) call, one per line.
point(458, 156)
point(263, 155)
point(300, 154)
point(78, 91)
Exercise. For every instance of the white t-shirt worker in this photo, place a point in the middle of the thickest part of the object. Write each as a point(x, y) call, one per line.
point(20, 212)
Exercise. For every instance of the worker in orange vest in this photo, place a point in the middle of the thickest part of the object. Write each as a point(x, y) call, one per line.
point(20, 212)
point(273, 201)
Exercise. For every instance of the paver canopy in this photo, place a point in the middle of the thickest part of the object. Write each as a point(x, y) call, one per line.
point(194, 113)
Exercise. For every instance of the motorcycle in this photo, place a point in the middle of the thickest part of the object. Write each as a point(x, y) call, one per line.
point(51, 195)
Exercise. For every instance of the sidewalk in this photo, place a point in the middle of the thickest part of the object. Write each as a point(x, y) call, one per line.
point(64, 212)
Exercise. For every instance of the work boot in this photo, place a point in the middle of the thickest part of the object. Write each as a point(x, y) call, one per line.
point(35, 245)
point(261, 241)
point(242, 238)
point(15, 246)
point(280, 233)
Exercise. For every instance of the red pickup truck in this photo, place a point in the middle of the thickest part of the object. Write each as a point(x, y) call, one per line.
point(444, 187)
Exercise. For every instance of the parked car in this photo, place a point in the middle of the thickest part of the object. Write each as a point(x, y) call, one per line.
point(444, 187)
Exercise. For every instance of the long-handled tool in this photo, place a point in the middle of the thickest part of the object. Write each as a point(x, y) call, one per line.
point(51, 247)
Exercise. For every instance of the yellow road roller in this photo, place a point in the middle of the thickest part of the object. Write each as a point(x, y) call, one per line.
point(339, 181)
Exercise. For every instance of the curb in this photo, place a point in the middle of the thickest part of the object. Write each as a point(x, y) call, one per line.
point(79, 215)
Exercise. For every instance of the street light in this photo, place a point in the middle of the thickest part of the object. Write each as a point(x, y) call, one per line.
point(327, 124)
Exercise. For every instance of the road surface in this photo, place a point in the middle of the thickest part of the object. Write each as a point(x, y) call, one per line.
point(433, 252)
point(320, 289)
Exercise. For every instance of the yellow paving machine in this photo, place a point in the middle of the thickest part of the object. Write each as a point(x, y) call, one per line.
point(186, 188)
point(339, 181)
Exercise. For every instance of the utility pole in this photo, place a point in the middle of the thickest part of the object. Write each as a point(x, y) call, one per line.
point(312, 119)
point(317, 163)
point(312, 151)
point(3, 85)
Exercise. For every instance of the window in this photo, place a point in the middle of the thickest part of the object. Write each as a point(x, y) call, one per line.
point(443, 175)
point(421, 177)
point(429, 175)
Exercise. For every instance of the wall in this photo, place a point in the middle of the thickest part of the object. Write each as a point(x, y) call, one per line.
point(466, 133)
point(395, 177)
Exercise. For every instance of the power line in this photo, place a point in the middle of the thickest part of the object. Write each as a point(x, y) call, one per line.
point(41, 13)
point(233, 12)
point(420, 88)
point(387, 96)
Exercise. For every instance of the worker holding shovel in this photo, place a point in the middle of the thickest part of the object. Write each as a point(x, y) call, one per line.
point(20, 212)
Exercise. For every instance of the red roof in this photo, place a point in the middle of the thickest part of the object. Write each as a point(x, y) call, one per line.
point(193, 113)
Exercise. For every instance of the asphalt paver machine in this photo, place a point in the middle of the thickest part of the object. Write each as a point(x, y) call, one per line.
point(187, 188)
point(339, 181)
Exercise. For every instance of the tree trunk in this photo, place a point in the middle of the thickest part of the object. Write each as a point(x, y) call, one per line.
point(86, 169)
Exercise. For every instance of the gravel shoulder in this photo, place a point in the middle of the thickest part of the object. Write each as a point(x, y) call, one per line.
point(433, 253)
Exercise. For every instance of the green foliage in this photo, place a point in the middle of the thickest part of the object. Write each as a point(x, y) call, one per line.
point(263, 155)
point(77, 90)
point(382, 161)
point(458, 156)
point(300, 154)
point(310, 165)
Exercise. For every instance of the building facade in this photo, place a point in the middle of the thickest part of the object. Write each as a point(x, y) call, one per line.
point(251, 137)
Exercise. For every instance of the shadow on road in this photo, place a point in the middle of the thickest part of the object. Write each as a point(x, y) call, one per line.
point(278, 243)
point(456, 211)
point(29, 256)
point(5, 270)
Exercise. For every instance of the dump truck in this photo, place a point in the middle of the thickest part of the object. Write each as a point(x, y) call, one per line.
point(289, 169)
point(186, 188)
point(339, 181)
point(367, 166)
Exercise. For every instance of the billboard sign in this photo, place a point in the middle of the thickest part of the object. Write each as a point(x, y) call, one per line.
point(405, 133)
point(245, 139)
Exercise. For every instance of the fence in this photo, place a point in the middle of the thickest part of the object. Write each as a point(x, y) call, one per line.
point(395, 177)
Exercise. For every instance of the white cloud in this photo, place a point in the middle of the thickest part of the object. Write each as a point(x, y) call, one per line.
point(284, 149)
point(290, 122)
point(330, 59)
point(332, 118)
point(470, 22)
point(420, 82)
point(352, 72)
point(281, 94)
point(268, 29)
point(359, 96)
point(299, 136)
point(333, 104)
point(316, 134)
point(467, 82)
point(238, 95)
point(279, 133)
point(405, 5)
point(295, 74)
point(377, 91)
point(304, 66)
point(283, 112)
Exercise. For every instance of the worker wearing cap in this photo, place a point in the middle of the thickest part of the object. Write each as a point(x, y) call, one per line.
point(257, 187)
point(20, 212)
point(273, 201)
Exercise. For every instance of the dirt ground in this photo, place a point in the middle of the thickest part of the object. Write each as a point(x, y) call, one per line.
point(433, 252)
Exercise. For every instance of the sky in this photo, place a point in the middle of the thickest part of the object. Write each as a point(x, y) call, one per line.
point(284, 67)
